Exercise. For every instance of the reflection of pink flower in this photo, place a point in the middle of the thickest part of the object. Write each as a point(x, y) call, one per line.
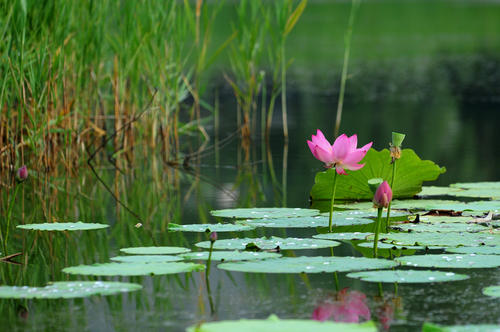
point(383, 195)
point(349, 307)
point(343, 154)
point(385, 315)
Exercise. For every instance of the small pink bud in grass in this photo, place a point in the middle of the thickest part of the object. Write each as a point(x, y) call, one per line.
point(213, 236)
point(342, 155)
point(22, 173)
point(383, 195)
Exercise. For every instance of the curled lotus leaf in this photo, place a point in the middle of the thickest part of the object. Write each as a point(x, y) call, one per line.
point(407, 276)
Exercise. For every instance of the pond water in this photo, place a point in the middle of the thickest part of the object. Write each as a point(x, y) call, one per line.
point(435, 79)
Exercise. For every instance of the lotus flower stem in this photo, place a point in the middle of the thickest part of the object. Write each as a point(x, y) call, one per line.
point(377, 231)
point(331, 202)
point(335, 276)
point(213, 238)
point(387, 224)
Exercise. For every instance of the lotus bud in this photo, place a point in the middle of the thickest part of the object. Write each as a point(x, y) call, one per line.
point(213, 236)
point(22, 173)
point(383, 195)
point(374, 184)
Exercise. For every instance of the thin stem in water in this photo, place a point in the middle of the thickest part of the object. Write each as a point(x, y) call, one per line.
point(389, 207)
point(377, 231)
point(333, 199)
point(207, 277)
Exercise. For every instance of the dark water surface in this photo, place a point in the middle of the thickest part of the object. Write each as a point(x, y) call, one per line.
point(436, 79)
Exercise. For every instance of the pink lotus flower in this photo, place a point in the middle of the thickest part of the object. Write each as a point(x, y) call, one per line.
point(383, 195)
point(22, 173)
point(342, 155)
point(349, 308)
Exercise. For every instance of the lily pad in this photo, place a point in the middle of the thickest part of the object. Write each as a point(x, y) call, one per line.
point(430, 219)
point(202, 228)
point(483, 250)
point(146, 259)
point(493, 291)
point(304, 264)
point(257, 213)
point(437, 191)
point(430, 327)
point(269, 243)
point(407, 276)
point(437, 239)
point(274, 324)
point(342, 236)
point(230, 255)
point(370, 212)
point(411, 171)
point(382, 245)
point(133, 269)
point(63, 226)
point(440, 227)
point(478, 193)
point(476, 185)
point(459, 261)
point(308, 222)
point(155, 250)
point(67, 290)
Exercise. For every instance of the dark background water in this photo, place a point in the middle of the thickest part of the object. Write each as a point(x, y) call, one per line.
point(429, 69)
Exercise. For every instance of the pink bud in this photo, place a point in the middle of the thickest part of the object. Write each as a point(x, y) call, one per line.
point(383, 195)
point(213, 236)
point(22, 173)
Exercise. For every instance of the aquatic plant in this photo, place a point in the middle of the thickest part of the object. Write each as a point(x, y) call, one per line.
point(395, 148)
point(342, 155)
point(381, 200)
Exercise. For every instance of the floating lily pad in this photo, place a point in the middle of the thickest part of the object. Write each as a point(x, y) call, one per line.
point(437, 239)
point(67, 290)
point(477, 185)
point(201, 228)
point(370, 212)
point(256, 213)
point(382, 245)
point(307, 222)
point(430, 219)
point(407, 276)
point(342, 236)
point(274, 324)
point(410, 174)
point(315, 264)
point(493, 291)
point(133, 269)
point(63, 226)
point(440, 228)
point(230, 255)
point(430, 327)
point(155, 250)
point(437, 191)
point(146, 259)
point(465, 261)
point(482, 250)
point(478, 193)
point(269, 243)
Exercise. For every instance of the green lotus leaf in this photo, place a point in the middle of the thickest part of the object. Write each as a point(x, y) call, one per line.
point(459, 261)
point(382, 245)
point(411, 171)
point(342, 236)
point(303, 264)
point(202, 228)
point(429, 327)
point(407, 276)
point(67, 290)
point(437, 239)
point(274, 324)
point(369, 212)
point(146, 259)
point(476, 185)
point(440, 227)
point(133, 269)
point(307, 222)
point(268, 243)
point(155, 250)
point(230, 255)
point(493, 291)
point(63, 226)
point(257, 213)
point(431, 219)
point(478, 193)
point(428, 191)
point(483, 250)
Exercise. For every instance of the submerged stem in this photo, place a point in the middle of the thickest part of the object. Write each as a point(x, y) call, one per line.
point(377, 231)
point(333, 199)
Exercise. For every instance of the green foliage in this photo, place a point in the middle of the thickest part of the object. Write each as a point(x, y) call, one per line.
point(270, 212)
point(133, 269)
point(407, 276)
point(269, 243)
point(63, 226)
point(207, 228)
point(230, 255)
point(307, 222)
point(410, 174)
point(457, 261)
point(154, 250)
